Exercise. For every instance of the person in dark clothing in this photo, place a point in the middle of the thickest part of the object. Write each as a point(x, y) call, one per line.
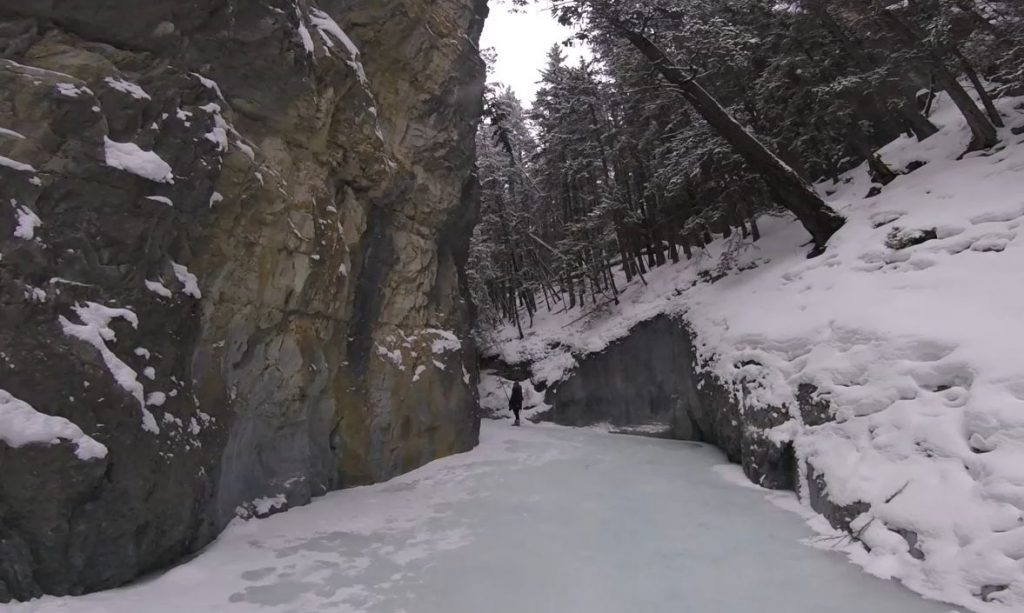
point(515, 403)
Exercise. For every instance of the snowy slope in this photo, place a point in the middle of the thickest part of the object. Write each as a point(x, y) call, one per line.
point(917, 348)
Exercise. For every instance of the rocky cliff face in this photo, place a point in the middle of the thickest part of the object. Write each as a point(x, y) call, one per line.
point(232, 239)
point(654, 375)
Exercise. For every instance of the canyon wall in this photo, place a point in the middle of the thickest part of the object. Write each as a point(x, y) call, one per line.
point(232, 249)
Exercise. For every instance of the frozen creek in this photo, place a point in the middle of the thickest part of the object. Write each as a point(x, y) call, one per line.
point(536, 519)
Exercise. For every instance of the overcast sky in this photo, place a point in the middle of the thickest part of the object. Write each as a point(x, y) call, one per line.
point(522, 41)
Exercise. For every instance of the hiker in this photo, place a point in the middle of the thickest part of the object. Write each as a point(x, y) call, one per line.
point(515, 403)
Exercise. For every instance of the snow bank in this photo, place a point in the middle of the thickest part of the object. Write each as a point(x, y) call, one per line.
point(916, 348)
point(129, 157)
point(21, 425)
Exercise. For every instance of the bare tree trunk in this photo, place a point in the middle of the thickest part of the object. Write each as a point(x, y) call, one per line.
point(792, 191)
point(673, 238)
point(985, 136)
point(984, 132)
point(755, 232)
point(986, 100)
point(931, 96)
point(611, 277)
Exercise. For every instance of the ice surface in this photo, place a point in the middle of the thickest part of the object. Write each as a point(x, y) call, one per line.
point(536, 519)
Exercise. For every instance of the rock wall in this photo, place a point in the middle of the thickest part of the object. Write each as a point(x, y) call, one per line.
point(653, 375)
point(232, 242)
point(640, 379)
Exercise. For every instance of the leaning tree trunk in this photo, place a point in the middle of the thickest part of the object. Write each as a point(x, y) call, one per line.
point(792, 191)
point(984, 133)
point(979, 87)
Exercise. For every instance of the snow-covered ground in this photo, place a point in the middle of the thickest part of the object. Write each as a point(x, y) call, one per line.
point(536, 519)
point(918, 349)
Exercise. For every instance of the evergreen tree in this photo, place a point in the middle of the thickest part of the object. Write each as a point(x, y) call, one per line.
point(696, 116)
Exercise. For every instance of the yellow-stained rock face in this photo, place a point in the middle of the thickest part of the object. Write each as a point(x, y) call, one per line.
point(246, 280)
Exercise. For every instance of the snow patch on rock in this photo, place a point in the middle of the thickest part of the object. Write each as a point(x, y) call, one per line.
point(7, 162)
point(127, 87)
point(21, 424)
point(161, 200)
point(26, 222)
point(71, 90)
point(188, 280)
point(129, 157)
point(158, 288)
point(8, 133)
point(95, 330)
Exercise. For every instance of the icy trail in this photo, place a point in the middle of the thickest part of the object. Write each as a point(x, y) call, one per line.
point(536, 519)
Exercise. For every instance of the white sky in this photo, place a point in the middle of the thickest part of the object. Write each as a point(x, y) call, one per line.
point(522, 41)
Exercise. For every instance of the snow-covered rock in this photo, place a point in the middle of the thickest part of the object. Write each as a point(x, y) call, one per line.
point(21, 424)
